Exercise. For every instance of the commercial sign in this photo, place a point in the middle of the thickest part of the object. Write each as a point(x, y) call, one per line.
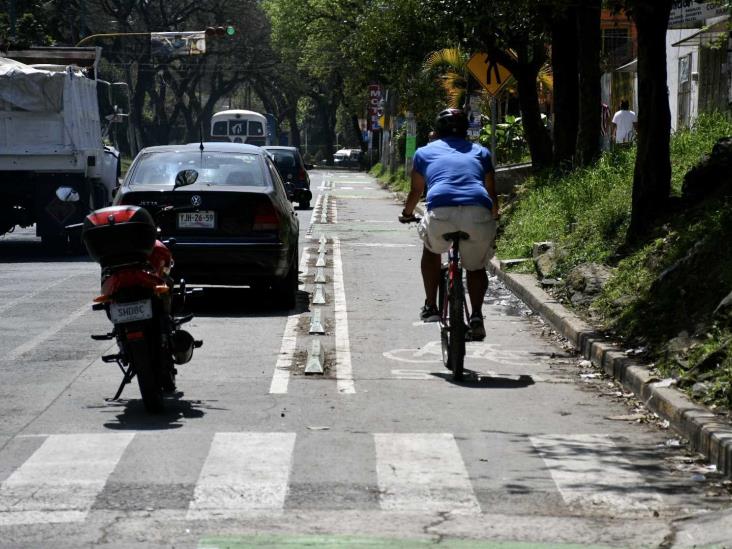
point(492, 75)
point(690, 14)
point(375, 109)
point(169, 45)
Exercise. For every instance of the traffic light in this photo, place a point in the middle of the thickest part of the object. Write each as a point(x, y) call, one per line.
point(220, 32)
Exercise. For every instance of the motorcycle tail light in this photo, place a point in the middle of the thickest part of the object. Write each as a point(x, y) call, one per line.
point(101, 299)
point(161, 289)
point(265, 218)
point(132, 336)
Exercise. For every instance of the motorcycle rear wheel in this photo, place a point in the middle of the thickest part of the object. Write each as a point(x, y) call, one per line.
point(141, 359)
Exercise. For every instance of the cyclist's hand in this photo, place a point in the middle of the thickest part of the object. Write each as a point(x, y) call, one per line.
point(408, 218)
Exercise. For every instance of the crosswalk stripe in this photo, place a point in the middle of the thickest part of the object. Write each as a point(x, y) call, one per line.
point(423, 472)
point(61, 480)
point(590, 470)
point(244, 472)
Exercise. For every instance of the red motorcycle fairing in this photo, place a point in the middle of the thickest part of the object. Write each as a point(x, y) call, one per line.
point(160, 258)
point(132, 277)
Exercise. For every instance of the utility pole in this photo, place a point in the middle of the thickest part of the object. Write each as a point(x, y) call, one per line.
point(12, 17)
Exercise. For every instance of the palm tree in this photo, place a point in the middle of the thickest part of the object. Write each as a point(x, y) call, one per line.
point(451, 66)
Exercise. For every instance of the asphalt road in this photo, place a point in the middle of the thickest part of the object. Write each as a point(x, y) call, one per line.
point(533, 449)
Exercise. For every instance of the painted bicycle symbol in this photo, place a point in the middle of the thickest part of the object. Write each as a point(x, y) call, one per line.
point(431, 353)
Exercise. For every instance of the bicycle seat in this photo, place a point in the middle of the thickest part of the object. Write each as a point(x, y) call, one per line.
point(457, 235)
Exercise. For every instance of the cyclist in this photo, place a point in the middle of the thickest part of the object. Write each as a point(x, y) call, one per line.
point(461, 196)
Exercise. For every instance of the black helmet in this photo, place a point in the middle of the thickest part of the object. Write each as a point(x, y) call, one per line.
point(452, 122)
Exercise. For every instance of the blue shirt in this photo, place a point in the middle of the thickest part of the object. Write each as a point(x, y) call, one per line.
point(454, 171)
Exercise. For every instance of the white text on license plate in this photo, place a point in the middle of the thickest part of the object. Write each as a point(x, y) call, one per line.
point(130, 312)
point(197, 220)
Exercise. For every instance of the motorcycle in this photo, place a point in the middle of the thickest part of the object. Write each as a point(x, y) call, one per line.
point(140, 299)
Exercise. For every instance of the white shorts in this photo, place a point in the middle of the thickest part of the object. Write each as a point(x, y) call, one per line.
point(476, 221)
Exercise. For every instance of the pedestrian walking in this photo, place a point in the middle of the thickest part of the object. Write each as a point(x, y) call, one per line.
point(625, 123)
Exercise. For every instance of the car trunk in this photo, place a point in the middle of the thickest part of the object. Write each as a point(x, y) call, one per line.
point(236, 212)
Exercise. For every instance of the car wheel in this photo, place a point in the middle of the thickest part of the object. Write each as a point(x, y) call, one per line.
point(285, 289)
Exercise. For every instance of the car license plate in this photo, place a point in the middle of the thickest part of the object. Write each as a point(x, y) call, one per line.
point(131, 311)
point(197, 220)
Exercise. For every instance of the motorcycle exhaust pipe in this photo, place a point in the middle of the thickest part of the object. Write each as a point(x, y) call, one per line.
point(183, 345)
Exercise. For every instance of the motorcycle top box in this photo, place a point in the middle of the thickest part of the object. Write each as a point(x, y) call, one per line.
point(119, 235)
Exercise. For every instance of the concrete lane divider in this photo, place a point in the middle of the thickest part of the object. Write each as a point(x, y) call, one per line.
point(319, 295)
point(316, 359)
point(316, 324)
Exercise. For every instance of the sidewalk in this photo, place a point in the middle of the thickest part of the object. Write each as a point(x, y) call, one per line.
point(706, 432)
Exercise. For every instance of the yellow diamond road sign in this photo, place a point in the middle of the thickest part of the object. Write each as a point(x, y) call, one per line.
point(491, 75)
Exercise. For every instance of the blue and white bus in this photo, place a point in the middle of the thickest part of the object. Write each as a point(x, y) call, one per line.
point(240, 126)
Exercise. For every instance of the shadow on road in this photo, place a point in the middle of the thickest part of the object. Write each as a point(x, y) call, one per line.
point(240, 302)
point(30, 250)
point(476, 380)
point(133, 415)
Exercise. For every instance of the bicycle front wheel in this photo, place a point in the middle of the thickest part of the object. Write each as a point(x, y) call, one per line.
point(456, 326)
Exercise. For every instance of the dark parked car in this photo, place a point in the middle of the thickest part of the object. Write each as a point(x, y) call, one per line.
point(232, 222)
point(294, 171)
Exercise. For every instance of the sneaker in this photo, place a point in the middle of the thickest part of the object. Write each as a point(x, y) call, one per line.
point(429, 313)
point(477, 329)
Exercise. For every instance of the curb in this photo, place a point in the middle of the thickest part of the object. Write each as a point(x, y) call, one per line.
point(707, 433)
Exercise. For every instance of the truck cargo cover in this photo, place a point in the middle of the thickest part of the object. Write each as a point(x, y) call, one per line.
point(23, 87)
point(47, 111)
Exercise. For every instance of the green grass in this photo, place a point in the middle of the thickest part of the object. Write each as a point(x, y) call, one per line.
point(587, 212)
point(397, 181)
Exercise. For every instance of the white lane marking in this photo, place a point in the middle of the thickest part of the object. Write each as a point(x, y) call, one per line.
point(423, 472)
point(244, 472)
point(591, 471)
point(46, 334)
point(334, 204)
point(281, 375)
point(61, 480)
point(34, 293)
point(344, 369)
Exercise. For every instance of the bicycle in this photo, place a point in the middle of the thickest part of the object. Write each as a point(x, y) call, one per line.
point(452, 305)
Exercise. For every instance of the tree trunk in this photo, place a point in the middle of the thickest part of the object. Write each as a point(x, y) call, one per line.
point(540, 145)
point(566, 86)
point(652, 175)
point(294, 128)
point(590, 97)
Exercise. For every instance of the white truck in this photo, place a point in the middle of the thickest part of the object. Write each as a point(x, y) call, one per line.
point(51, 142)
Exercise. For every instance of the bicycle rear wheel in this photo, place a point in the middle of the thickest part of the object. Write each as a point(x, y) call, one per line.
point(456, 326)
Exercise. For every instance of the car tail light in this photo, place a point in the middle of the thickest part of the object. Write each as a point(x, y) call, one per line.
point(302, 174)
point(265, 218)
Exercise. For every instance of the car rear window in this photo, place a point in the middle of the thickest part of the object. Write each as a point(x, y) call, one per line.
point(284, 159)
point(214, 168)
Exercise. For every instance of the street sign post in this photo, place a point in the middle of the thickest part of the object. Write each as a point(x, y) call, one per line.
point(492, 75)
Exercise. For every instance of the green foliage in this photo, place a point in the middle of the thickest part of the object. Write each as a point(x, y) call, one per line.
point(29, 31)
point(667, 285)
point(397, 181)
point(511, 146)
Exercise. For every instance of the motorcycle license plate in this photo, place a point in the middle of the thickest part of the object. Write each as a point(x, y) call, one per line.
point(197, 220)
point(130, 312)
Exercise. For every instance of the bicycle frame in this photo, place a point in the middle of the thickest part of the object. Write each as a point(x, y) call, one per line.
point(453, 310)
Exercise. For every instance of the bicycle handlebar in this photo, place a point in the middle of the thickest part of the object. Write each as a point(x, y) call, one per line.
point(409, 219)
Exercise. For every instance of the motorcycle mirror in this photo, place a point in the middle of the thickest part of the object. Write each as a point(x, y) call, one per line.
point(185, 177)
point(67, 194)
